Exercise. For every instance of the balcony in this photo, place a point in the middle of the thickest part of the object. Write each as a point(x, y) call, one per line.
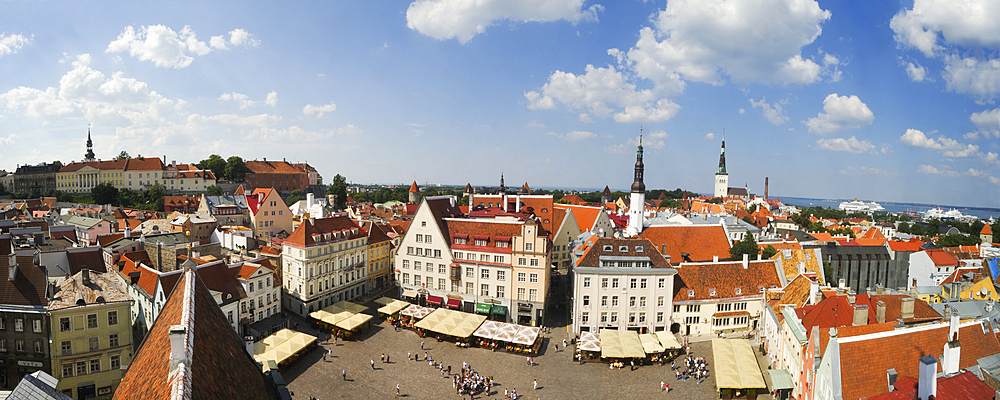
point(456, 273)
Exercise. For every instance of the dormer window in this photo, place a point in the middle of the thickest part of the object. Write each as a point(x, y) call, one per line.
point(690, 293)
point(738, 291)
point(760, 289)
point(711, 292)
point(607, 247)
point(638, 249)
point(623, 249)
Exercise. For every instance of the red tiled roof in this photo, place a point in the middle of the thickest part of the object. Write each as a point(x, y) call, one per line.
point(414, 188)
point(212, 341)
point(724, 278)
point(272, 167)
point(303, 235)
point(864, 359)
point(573, 199)
point(835, 311)
point(964, 386)
point(104, 240)
point(542, 207)
point(595, 249)
point(986, 230)
point(701, 242)
point(941, 258)
point(87, 257)
point(28, 286)
point(99, 165)
point(585, 216)
point(956, 275)
point(145, 164)
point(795, 293)
point(912, 245)
point(822, 236)
point(482, 229)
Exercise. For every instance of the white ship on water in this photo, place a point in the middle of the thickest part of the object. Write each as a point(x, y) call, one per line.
point(860, 206)
point(953, 214)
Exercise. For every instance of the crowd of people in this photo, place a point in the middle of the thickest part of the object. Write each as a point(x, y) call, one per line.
point(469, 382)
point(693, 367)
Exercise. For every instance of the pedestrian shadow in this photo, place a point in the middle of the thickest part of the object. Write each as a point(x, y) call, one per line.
point(540, 388)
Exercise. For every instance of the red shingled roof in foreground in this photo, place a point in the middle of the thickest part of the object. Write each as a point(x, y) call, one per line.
point(701, 242)
point(964, 386)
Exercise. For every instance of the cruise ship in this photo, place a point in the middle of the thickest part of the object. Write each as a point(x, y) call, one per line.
point(860, 206)
point(953, 214)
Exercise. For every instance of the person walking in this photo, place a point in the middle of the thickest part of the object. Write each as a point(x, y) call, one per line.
point(373, 364)
point(663, 386)
point(344, 374)
point(421, 345)
point(408, 355)
point(397, 390)
point(534, 384)
point(383, 358)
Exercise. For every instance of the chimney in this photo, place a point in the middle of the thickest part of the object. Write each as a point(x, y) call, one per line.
point(851, 297)
point(860, 315)
point(715, 258)
point(746, 261)
point(178, 346)
point(906, 308)
point(814, 292)
point(868, 290)
point(841, 283)
point(765, 188)
point(85, 276)
point(310, 199)
point(802, 267)
point(879, 289)
point(12, 273)
point(989, 305)
point(248, 342)
point(891, 376)
point(927, 381)
point(880, 312)
point(952, 349)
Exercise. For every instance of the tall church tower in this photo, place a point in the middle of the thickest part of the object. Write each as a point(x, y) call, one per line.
point(90, 149)
point(721, 176)
point(637, 200)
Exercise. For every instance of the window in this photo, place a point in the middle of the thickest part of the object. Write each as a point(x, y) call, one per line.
point(586, 282)
point(633, 283)
point(659, 303)
point(738, 291)
point(533, 262)
point(470, 272)
point(586, 299)
point(614, 283)
point(614, 301)
point(500, 292)
point(522, 261)
point(521, 276)
point(520, 293)
point(498, 259)
point(430, 282)
point(113, 340)
point(677, 308)
point(694, 308)
point(501, 275)
point(631, 317)
point(416, 265)
point(116, 361)
point(469, 288)
point(690, 293)
point(659, 316)
point(532, 294)
point(484, 290)
point(442, 269)
point(614, 317)
point(690, 320)
point(638, 249)
point(585, 317)
point(725, 307)
point(36, 325)
point(67, 370)
point(406, 264)
point(409, 250)
point(420, 238)
point(528, 246)
point(93, 344)
point(18, 325)
point(740, 306)
point(604, 317)
point(604, 283)
point(711, 291)
point(38, 346)
point(604, 301)
point(642, 301)
point(95, 365)
point(230, 317)
point(81, 368)
point(19, 345)
point(3, 324)
point(484, 273)
point(423, 224)
point(112, 317)
point(66, 347)
point(642, 283)
point(441, 284)
point(91, 321)
point(631, 301)
point(533, 278)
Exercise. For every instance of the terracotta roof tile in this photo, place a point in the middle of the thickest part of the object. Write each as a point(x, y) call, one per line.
point(912, 245)
point(585, 216)
point(599, 247)
point(964, 386)
point(304, 235)
point(725, 278)
point(941, 258)
point(28, 286)
point(701, 242)
point(272, 167)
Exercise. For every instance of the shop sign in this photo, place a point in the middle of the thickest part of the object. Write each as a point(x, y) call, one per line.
point(33, 364)
point(104, 390)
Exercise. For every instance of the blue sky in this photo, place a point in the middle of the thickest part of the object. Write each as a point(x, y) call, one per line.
point(881, 100)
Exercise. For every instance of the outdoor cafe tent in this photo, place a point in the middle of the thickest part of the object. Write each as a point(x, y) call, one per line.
point(488, 330)
point(506, 332)
point(329, 317)
point(650, 344)
point(353, 321)
point(451, 322)
point(384, 300)
point(668, 340)
point(589, 341)
point(736, 365)
point(415, 311)
point(621, 344)
point(393, 307)
point(281, 346)
point(346, 306)
point(526, 335)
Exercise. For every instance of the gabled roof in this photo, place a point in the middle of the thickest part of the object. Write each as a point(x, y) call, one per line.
point(964, 386)
point(586, 216)
point(144, 164)
point(216, 364)
point(86, 257)
point(796, 293)
point(912, 245)
point(592, 256)
point(724, 278)
point(487, 229)
point(865, 359)
point(305, 234)
point(98, 165)
point(986, 230)
point(700, 242)
point(941, 258)
point(573, 199)
point(822, 236)
point(272, 167)
point(28, 286)
point(836, 311)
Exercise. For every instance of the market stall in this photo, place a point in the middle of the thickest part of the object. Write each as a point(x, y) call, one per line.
point(617, 344)
point(737, 373)
point(588, 347)
point(452, 323)
point(282, 346)
point(393, 307)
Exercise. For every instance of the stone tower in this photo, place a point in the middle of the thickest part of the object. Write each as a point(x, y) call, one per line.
point(986, 234)
point(637, 199)
point(414, 197)
point(721, 176)
point(90, 148)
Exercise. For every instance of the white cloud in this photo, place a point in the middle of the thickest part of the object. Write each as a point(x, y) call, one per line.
point(599, 92)
point(534, 124)
point(947, 171)
point(742, 111)
point(710, 135)
point(947, 29)
point(574, 135)
point(463, 20)
point(319, 110)
point(947, 147)
point(987, 125)
point(916, 72)
point(851, 170)
point(12, 43)
point(9, 140)
point(272, 99)
point(850, 145)
point(840, 113)
point(169, 49)
point(772, 112)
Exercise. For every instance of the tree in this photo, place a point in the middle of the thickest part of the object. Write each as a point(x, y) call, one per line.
point(294, 197)
point(339, 189)
point(768, 251)
point(104, 193)
point(746, 246)
point(670, 203)
point(128, 197)
point(123, 156)
point(957, 240)
point(214, 163)
point(214, 190)
point(236, 170)
point(3, 190)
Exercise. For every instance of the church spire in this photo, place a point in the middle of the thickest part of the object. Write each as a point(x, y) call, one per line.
point(722, 156)
point(637, 185)
point(503, 188)
point(90, 148)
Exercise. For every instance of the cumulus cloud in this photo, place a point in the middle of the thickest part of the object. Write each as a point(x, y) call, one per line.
point(948, 171)
point(599, 92)
point(946, 29)
point(12, 43)
point(944, 145)
point(851, 170)
point(462, 20)
point(166, 48)
point(574, 135)
point(850, 145)
point(9, 140)
point(272, 99)
point(319, 110)
point(244, 101)
point(840, 113)
point(988, 125)
point(916, 72)
point(707, 41)
point(772, 112)
point(710, 135)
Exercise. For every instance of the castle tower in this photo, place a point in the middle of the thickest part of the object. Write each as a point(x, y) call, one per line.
point(986, 234)
point(637, 199)
point(721, 176)
point(414, 197)
point(606, 195)
point(90, 148)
